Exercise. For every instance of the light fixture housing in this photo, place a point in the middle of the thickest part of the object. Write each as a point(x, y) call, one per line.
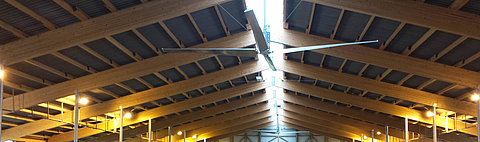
point(379, 133)
point(365, 137)
point(128, 115)
point(83, 101)
point(475, 97)
point(1, 74)
point(194, 136)
point(429, 113)
point(179, 133)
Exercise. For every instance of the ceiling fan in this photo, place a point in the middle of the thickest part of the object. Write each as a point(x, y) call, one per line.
point(261, 45)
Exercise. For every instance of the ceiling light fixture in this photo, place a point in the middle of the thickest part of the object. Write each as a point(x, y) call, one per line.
point(179, 133)
point(83, 101)
point(128, 115)
point(475, 97)
point(429, 113)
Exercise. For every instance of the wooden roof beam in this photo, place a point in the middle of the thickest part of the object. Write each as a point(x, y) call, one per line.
point(145, 40)
point(32, 14)
point(28, 76)
point(383, 59)
point(135, 17)
point(179, 119)
point(50, 69)
point(127, 72)
point(18, 33)
point(468, 60)
point(74, 10)
point(221, 21)
point(73, 62)
point(94, 53)
point(179, 43)
point(396, 91)
point(133, 55)
point(146, 96)
point(412, 12)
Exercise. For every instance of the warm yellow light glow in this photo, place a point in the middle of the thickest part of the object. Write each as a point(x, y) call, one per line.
point(83, 101)
point(379, 133)
point(365, 137)
point(194, 136)
point(475, 97)
point(128, 115)
point(429, 113)
point(1, 73)
point(179, 133)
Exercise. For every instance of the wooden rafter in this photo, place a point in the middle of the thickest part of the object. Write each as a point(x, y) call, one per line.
point(221, 21)
point(73, 62)
point(18, 33)
point(32, 14)
point(50, 69)
point(384, 74)
point(425, 36)
point(457, 4)
point(28, 76)
point(404, 79)
point(446, 50)
point(74, 10)
point(384, 59)
point(149, 44)
point(180, 44)
point(94, 53)
point(109, 5)
point(468, 60)
point(133, 55)
point(337, 25)
point(366, 28)
point(385, 44)
point(311, 19)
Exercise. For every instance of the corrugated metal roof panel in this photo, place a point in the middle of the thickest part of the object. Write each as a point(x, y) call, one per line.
point(154, 80)
point(173, 74)
point(351, 26)
point(295, 56)
point(92, 8)
point(312, 58)
point(192, 70)
point(235, 8)
point(228, 61)
point(415, 81)
point(51, 11)
point(210, 65)
point(457, 91)
point(436, 86)
point(10, 90)
point(434, 45)
point(20, 20)
point(183, 29)
point(380, 29)
point(442, 3)
point(307, 80)
point(122, 4)
point(136, 85)
point(332, 63)
point(208, 89)
point(6, 36)
point(78, 54)
point(353, 67)
point(110, 51)
point(300, 18)
point(209, 24)
point(463, 51)
point(474, 65)
point(323, 84)
point(117, 90)
point(239, 81)
point(373, 71)
point(157, 36)
point(394, 76)
point(133, 43)
point(405, 38)
point(22, 81)
point(61, 65)
point(223, 85)
point(324, 20)
point(339, 88)
point(37, 72)
point(472, 6)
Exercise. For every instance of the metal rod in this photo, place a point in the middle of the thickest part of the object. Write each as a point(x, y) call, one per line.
point(373, 133)
point(2, 70)
point(75, 130)
point(149, 129)
point(361, 138)
point(62, 111)
point(446, 124)
point(204, 139)
point(121, 124)
point(434, 123)
point(184, 136)
point(169, 133)
point(386, 133)
point(406, 128)
point(478, 113)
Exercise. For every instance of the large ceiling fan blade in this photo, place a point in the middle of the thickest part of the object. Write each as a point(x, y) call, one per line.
point(290, 50)
point(270, 62)
point(244, 52)
point(257, 31)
